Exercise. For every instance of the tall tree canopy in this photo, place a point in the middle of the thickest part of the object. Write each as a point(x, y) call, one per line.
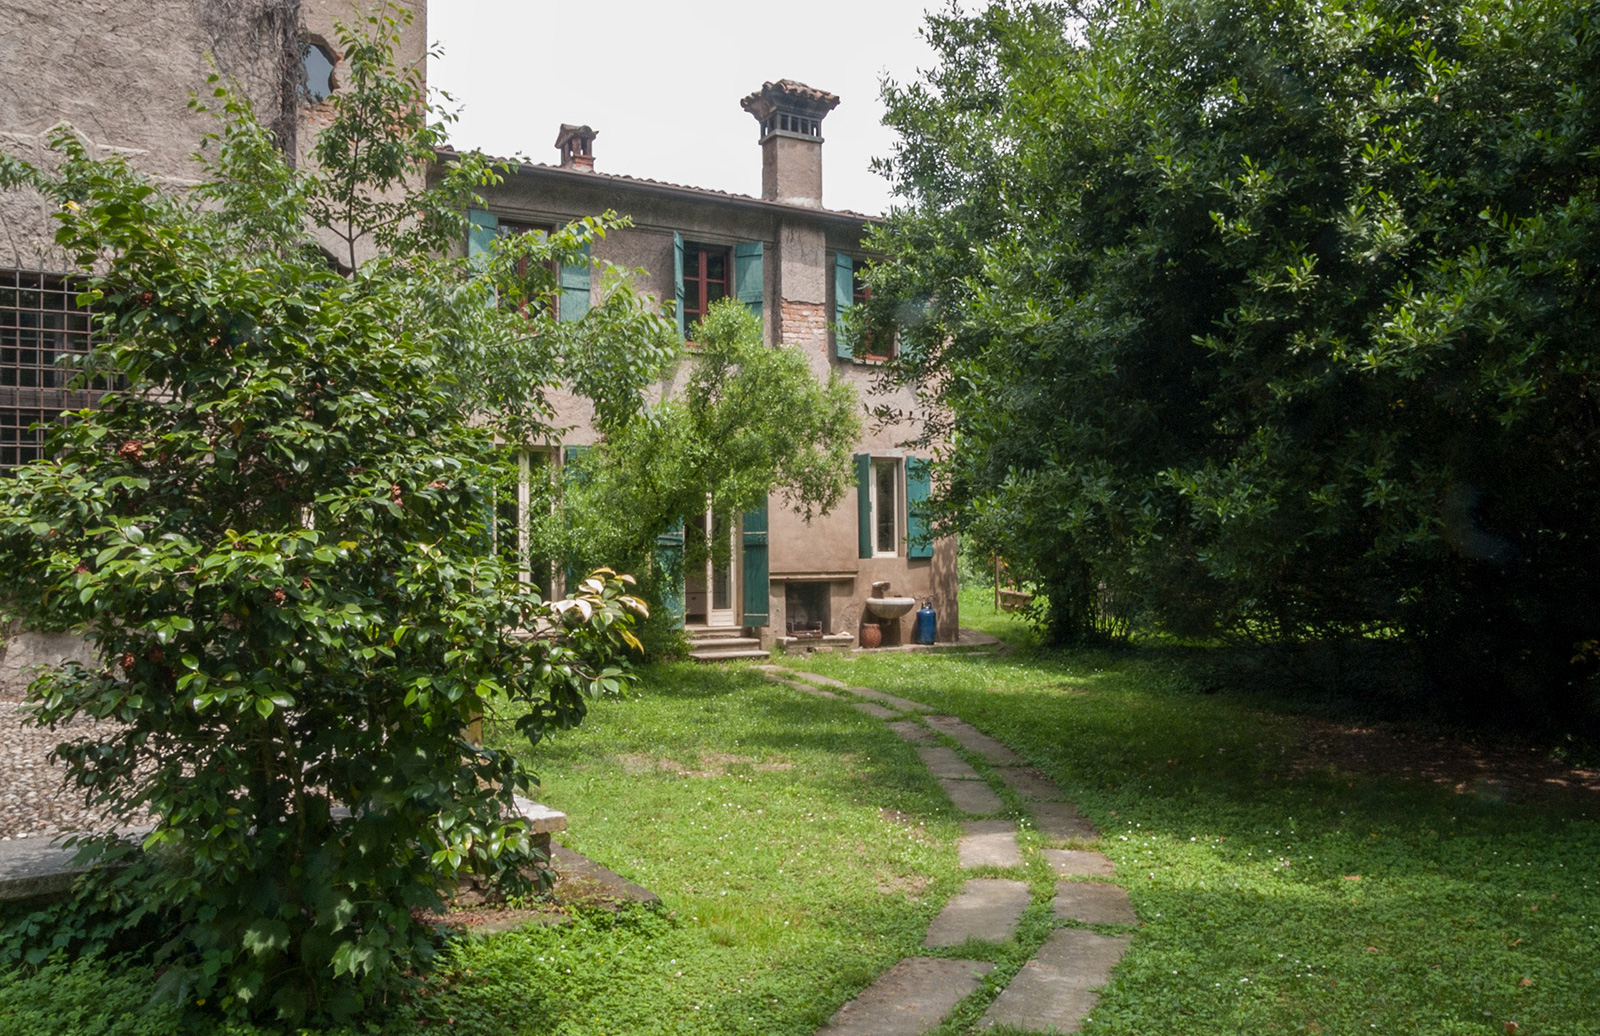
point(1273, 318)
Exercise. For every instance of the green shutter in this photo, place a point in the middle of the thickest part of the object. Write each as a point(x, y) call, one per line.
point(669, 573)
point(844, 296)
point(757, 606)
point(575, 288)
point(677, 278)
point(864, 502)
point(919, 539)
point(747, 275)
point(482, 227)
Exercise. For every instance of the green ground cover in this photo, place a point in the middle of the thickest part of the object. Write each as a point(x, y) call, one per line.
point(800, 849)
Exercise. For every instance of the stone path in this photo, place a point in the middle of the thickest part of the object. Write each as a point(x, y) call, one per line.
point(1056, 989)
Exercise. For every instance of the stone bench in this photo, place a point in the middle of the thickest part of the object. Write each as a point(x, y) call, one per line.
point(38, 868)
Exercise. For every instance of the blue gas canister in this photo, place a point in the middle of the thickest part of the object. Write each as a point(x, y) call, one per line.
point(927, 624)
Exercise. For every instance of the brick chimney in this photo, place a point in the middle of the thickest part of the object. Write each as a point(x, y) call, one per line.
point(576, 144)
point(791, 115)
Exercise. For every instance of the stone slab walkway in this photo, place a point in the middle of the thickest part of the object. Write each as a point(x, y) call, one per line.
point(987, 908)
point(975, 740)
point(908, 999)
point(989, 843)
point(943, 762)
point(1074, 863)
point(1093, 902)
point(974, 797)
point(1058, 986)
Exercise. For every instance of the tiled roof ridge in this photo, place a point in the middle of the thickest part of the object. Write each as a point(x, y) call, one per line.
point(520, 164)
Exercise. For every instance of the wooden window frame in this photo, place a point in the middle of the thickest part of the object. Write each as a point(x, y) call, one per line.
point(698, 275)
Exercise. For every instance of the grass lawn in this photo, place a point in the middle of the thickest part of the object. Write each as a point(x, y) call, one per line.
point(801, 849)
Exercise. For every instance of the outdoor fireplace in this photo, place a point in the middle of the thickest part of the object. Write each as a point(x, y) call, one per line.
point(805, 608)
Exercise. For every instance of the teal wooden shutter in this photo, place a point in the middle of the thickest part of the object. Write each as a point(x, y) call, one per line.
point(919, 537)
point(677, 277)
point(844, 296)
point(757, 606)
point(482, 227)
point(575, 288)
point(669, 572)
point(747, 275)
point(864, 502)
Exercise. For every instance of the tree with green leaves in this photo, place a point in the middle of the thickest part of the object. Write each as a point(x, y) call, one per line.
point(747, 421)
point(273, 534)
point(1271, 319)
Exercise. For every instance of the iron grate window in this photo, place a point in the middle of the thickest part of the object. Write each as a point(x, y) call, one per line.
point(40, 322)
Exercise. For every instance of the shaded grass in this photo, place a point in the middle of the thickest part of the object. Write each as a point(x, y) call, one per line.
point(1273, 903)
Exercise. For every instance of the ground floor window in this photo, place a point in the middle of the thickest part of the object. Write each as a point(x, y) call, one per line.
point(41, 324)
point(886, 508)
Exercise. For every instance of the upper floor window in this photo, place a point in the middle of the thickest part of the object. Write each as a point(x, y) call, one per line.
point(705, 279)
point(850, 289)
point(316, 81)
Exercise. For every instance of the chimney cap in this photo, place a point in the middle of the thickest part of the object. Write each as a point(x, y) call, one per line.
point(791, 97)
point(569, 133)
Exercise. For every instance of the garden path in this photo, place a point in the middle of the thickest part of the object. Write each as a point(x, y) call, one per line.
point(1055, 990)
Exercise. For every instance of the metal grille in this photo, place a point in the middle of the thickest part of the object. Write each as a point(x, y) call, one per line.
point(40, 322)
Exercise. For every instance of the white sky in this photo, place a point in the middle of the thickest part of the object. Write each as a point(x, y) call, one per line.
point(661, 82)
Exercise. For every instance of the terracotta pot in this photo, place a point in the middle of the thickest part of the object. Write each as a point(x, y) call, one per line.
point(871, 634)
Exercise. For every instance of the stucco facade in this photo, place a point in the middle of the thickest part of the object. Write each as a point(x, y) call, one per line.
point(824, 570)
point(119, 75)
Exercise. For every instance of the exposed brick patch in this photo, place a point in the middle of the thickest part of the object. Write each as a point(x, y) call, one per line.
point(804, 324)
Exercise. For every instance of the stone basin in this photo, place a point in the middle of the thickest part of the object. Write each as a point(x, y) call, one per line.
point(890, 607)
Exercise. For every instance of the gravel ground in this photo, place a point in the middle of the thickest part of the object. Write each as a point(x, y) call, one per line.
point(34, 803)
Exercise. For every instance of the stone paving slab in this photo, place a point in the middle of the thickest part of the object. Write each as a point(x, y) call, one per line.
point(911, 731)
point(908, 999)
point(1029, 784)
point(826, 681)
point(975, 740)
point(1061, 820)
point(877, 711)
point(1093, 902)
point(973, 797)
point(894, 701)
point(1056, 988)
point(988, 843)
point(987, 908)
point(1074, 863)
point(803, 687)
point(943, 762)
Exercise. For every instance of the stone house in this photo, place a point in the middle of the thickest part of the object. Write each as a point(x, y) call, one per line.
point(120, 73)
point(794, 262)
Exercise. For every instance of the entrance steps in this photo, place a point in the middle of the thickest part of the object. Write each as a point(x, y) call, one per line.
point(722, 644)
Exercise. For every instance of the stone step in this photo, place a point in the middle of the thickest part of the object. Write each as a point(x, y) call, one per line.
point(893, 701)
point(1029, 784)
point(875, 711)
point(723, 643)
point(1059, 986)
point(987, 909)
point(908, 999)
point(728, 654)
point(804, 688)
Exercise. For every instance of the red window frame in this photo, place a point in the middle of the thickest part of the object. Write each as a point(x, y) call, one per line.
point(860, 292)
point(698, 273)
